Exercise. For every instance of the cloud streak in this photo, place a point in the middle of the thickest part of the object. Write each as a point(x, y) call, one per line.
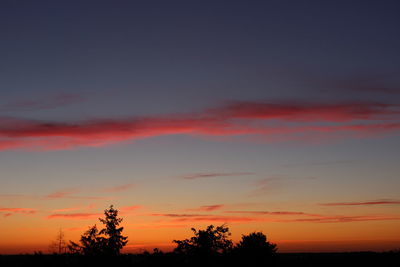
point(11, 211)
point(223, 219)
point(366, 203)
point(51, 102)
point(208, 208)
point(127, 209)
point(273, 122)
point(68, 194)
point(213, 174)
point(270, 212)
point(343, 219)
point(120, 188)
point(74, 216)
point(62, 193)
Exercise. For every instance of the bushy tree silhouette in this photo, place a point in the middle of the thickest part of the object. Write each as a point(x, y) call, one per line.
point(107, 241)
point(211, 241)
point(91, 243)
point(254, 247)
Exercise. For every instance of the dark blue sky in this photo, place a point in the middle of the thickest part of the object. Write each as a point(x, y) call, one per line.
point(131, 57)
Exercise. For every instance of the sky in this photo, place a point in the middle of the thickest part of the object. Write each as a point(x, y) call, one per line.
point(273, 116)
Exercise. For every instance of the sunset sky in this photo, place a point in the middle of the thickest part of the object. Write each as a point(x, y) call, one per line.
point(273, 116)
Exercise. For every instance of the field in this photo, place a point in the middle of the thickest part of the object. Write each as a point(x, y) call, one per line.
point(386, 259)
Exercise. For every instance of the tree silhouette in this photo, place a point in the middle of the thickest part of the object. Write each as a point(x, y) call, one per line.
point(254, 247)
point(114, 240)
point(59, 245)
point(107, 241)
point(91, 243)
point(211, 241)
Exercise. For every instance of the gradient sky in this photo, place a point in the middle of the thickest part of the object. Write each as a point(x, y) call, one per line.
point(273, 116)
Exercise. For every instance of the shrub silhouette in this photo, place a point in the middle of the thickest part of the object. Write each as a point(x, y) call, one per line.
point(107, 241)
point(211, 241)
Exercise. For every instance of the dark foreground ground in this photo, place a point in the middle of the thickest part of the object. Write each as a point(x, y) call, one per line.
point(354, 259)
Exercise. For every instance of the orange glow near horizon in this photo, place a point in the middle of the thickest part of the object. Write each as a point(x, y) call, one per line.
point(27, 233)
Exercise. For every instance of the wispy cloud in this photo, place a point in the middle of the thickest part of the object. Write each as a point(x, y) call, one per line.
point(71, 229)
point(320, 163)
point(126, 209)
point(50, 102)
point(11, 211)
point(274, 182)
point(365, 203)
point(180, 215)
point(223, 219)
point(343, 219)
point(63, 193)
point(208, 208)
point(120, 188)
point(70, 193)
point(269, 212)
point(89, 207)
point(267, 121)
point(74, 216)
point(373, 83)
point(299, 216)
point(214, 174)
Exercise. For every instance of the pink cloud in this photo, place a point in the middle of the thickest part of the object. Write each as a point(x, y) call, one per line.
point(275, 122)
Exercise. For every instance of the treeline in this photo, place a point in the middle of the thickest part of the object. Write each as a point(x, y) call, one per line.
point(206, 246)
